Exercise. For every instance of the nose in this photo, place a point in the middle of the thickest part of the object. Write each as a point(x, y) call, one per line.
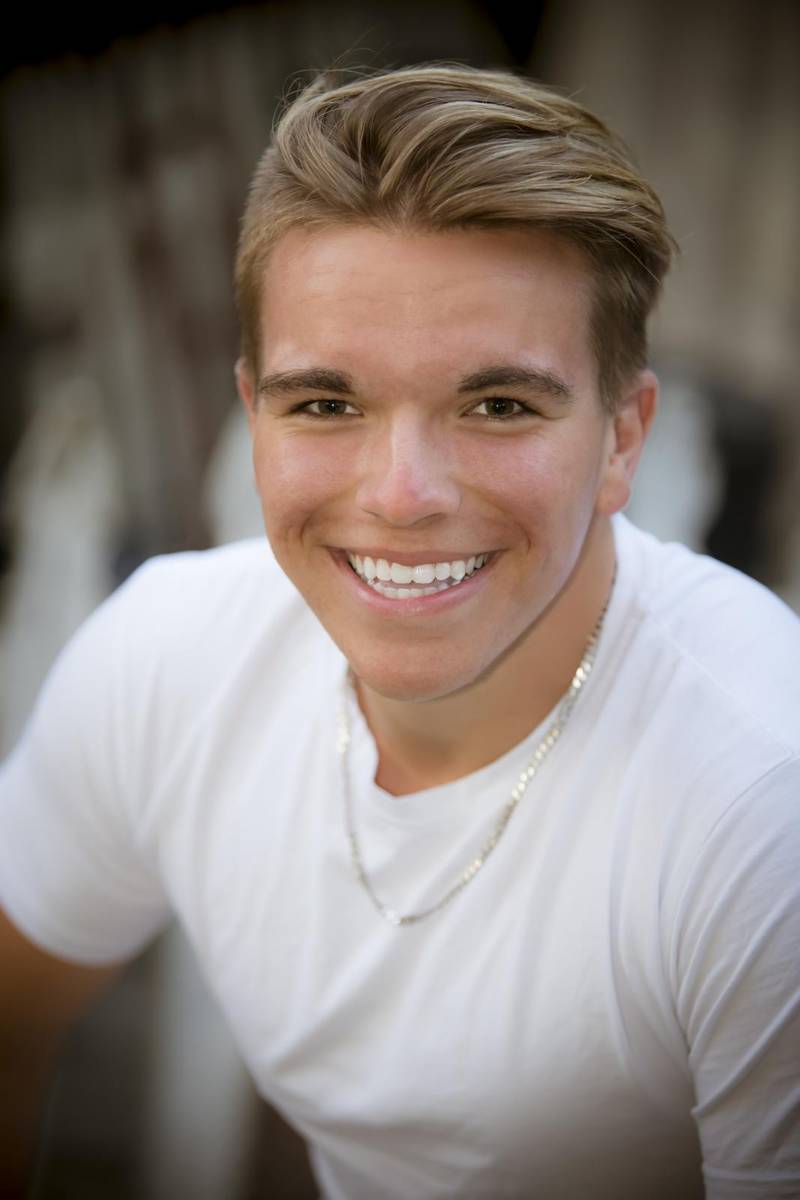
point(407, 474)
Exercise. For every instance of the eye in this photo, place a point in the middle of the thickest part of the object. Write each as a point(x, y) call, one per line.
point(501, 408)
point(325, 409)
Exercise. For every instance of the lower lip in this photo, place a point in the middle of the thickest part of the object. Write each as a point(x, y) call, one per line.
point(413, 606)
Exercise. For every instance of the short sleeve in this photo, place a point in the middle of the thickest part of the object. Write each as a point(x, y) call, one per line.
point(72, 876)
point(736, 963)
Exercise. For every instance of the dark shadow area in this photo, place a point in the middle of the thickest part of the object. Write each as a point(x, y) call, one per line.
point(747, 438)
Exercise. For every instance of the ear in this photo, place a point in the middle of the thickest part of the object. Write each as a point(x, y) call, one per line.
point(246, 387)
point(628, 429)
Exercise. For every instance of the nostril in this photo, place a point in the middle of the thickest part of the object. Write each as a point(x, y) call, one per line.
point(404, 496)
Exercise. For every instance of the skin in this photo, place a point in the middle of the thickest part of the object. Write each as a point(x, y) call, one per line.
point(40, 998)
point(410, 467)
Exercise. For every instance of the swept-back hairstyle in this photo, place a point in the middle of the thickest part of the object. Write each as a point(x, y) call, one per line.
point(443, 147)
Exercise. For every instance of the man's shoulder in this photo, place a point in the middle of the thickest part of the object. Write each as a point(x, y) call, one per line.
point(188, 637)
point(185, 593)
point(185, 621)
point(737, 641)
point(220, 572)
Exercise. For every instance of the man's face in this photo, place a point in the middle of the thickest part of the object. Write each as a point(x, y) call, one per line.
point(424, 400)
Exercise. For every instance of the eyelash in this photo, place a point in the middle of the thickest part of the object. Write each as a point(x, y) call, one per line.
point(522, 409)
point(305, 409)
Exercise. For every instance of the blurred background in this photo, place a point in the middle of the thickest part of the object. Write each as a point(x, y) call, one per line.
point(127, 140)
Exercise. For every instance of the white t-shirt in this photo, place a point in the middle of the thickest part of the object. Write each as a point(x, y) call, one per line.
point(612, 999)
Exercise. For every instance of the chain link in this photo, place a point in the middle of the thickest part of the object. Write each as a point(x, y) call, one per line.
point(579, 680)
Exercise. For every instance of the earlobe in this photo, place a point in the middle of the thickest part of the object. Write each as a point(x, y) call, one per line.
point(245, 386)
point(630, 427)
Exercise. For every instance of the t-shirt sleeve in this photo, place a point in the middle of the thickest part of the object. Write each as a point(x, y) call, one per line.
point(73, 876)
point(737, 971)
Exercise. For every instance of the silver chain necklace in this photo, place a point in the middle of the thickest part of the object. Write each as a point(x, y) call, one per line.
point(541, 752)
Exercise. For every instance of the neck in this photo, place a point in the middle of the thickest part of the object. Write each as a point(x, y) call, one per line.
point(424, 744)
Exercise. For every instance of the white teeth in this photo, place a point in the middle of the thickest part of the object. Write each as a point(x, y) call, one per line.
point(424, 574)
point(378, 572)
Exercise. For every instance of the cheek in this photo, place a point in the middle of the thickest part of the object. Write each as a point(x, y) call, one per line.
point(294, 477)
point(537, 479)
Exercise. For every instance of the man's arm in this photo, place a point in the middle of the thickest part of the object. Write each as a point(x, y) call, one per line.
point(40, 997)
point(738, 992)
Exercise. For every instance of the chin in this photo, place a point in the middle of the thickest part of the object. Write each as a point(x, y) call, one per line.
point(404, 686)
point(412, 683)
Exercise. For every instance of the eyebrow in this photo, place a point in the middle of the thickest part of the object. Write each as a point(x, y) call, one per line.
point(545, 382)
point(324, 379)
point(314, 379)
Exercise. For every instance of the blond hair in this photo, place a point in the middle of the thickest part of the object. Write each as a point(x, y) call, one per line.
point(443, 147)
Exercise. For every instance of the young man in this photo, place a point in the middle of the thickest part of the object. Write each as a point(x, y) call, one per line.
point(478, 805)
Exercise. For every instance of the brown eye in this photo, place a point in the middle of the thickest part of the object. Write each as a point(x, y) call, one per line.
point(500, 408)
point(331, 408)
point(325, 408)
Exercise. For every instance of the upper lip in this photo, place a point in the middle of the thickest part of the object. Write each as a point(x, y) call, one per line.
point(416, 558)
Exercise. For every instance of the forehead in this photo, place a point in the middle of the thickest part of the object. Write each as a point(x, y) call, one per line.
point(368, 300)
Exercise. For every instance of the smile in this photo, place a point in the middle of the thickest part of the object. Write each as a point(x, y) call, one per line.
point(424, 579)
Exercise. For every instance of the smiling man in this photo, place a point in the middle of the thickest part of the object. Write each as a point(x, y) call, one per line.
point(479, 805)
point(437, 474)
